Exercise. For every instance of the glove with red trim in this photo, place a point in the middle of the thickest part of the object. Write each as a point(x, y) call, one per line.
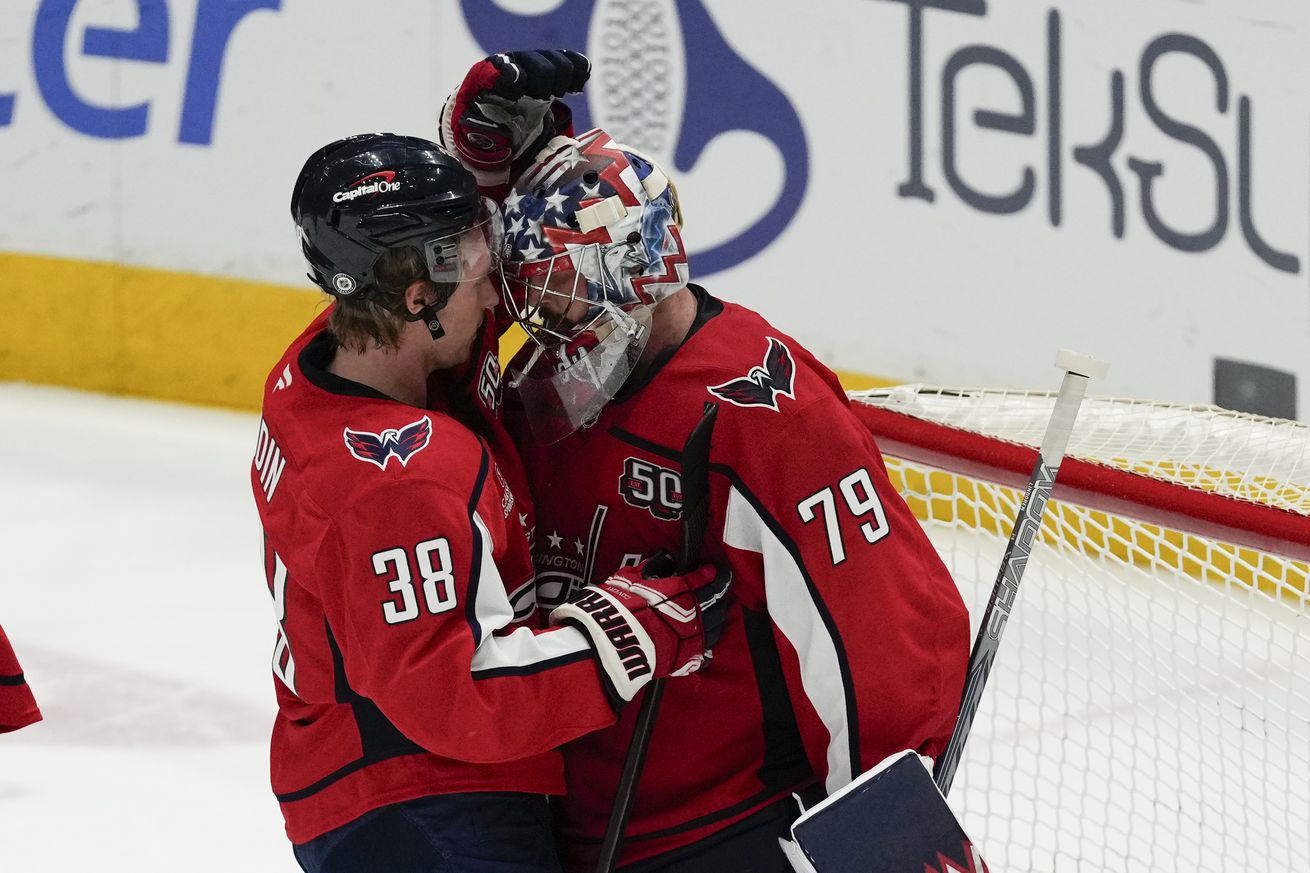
point(508, 106)
point(646, 623)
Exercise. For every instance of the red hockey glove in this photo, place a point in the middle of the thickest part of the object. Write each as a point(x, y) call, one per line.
point(646, 624)
point(508, 106)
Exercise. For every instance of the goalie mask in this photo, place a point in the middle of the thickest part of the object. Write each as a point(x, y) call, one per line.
point(592, 243)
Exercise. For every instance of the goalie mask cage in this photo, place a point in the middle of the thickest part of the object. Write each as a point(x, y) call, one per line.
point(1149, 708)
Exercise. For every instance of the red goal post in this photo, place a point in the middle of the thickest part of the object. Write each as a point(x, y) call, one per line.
point(1151, 704)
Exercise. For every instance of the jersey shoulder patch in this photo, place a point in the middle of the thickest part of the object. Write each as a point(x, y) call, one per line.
point(401, 443)
point(763, 383)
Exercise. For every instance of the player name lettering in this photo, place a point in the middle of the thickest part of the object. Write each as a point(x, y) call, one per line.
point(269, 462)
point(618, 630)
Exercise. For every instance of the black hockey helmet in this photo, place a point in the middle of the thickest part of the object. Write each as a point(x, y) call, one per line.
point(360, 196)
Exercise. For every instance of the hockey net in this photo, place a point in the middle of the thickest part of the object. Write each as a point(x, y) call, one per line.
point(1149, 708)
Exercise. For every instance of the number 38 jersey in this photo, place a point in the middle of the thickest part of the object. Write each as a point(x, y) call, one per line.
point(396, 551)
point(847, 639)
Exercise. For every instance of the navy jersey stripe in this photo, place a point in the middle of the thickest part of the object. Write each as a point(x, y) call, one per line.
point(538, 667)
point(13, 680)
point(475, 560)
point(333, 777)
point(785, 764)
point(379, 739)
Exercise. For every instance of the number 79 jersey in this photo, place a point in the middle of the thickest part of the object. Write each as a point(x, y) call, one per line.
point(847, 639)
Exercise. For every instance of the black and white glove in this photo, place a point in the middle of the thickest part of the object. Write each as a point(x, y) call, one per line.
point(648, 624)
point(508, 106)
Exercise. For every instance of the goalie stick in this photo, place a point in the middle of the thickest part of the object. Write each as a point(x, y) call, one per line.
point(890, 819)
point(1078, 369)
point(894, 818)
point(695, 515)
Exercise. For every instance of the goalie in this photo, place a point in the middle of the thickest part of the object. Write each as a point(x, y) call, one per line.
point(847, 638)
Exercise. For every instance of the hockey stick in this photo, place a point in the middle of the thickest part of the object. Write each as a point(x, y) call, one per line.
point(1077, 370)
point(695, 515)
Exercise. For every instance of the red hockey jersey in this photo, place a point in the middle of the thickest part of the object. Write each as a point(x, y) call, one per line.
point(397, 554)
point(847, 638)
point(17, 705)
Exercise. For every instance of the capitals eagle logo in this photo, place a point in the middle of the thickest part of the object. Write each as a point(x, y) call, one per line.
point(762, 385)
point(379, 448)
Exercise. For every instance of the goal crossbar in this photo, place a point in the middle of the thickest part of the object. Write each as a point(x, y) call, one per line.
point(1097, 485)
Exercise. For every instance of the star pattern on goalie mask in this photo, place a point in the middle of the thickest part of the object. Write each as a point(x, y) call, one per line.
point(556, 202)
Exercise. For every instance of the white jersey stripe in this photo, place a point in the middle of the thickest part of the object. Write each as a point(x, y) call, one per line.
point(793, 610)
point(521, 649)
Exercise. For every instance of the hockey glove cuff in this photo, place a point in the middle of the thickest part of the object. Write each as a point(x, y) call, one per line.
point(647, 625)
point(505, 107)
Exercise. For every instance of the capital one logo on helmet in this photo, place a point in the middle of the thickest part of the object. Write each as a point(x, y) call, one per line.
point(384, 185)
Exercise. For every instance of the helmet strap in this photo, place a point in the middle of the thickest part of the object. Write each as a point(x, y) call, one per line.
point(428, 315)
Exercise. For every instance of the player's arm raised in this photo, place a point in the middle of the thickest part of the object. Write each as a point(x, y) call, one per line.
point(874, 634)
point(509, 106)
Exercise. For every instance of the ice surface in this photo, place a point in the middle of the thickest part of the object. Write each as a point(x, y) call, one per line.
point(131, 588)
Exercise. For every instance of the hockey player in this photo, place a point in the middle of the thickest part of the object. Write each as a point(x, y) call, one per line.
point(849, 639)
point(17, 705)
point(418, 716)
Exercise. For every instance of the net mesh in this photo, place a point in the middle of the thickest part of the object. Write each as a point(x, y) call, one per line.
point(1150, 704)
point(1235, 454)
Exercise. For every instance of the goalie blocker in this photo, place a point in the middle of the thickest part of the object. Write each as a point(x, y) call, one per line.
point(890, 820)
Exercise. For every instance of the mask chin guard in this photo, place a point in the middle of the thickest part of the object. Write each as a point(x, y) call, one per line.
point(560, 396)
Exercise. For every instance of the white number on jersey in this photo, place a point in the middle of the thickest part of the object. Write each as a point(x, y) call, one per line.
point(284, 665)
point(861, 501)
point(438, 583)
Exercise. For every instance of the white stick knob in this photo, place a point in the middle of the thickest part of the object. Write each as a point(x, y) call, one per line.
point(1083, 365)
